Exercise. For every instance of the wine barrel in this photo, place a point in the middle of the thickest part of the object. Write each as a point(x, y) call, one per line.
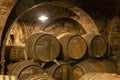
point(8, 77)
point(73, 46)
point(14, 53)
point(96, 45)
point(100, 76)
point(24, 69)
point(92, 66)
point(60, 71)
point(40, 77)
point(42, 47)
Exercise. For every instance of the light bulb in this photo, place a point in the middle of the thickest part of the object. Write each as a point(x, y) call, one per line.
point(43, 18)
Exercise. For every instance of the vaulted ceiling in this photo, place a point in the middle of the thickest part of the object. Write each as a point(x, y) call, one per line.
point(96, 9)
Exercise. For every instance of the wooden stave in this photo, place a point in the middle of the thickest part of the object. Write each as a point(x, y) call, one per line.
point(40, 76)
point(89, 75)
point(8, 77)
point(100, 76)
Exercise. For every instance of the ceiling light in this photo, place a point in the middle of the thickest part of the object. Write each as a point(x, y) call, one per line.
point(43, 18)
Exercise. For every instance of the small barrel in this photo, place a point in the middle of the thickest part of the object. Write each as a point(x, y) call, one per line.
point(14, 53)
point(40, 77)
point(100, 76)
point(73, 46)
point(8, 77)
point(24, 69)
point(60, 71)
point(42, 47)
point(92, 66)
point(97, 46)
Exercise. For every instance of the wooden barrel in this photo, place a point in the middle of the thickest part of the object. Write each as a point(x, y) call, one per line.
point(73, 46)
point(60, 71)
point(97, 46)
point(14, 53)
point(92, 66)
point(42, 47)
point(24, 69)
point(8, 77)
point(40, 77)
point(100, 76)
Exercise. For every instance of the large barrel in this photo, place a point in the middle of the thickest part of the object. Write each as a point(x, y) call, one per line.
point(40, 77)
point(24, 69)
point(42, 47)
point(100, 76)
point(8, 77)
point(60, 71)
point(14, 53)
point(73, 46)
point(93, 66)
point(96, 45)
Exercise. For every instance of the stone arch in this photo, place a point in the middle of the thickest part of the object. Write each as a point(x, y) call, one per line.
point(84, 19)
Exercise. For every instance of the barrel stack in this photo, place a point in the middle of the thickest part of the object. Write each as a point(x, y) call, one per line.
point(45, 56)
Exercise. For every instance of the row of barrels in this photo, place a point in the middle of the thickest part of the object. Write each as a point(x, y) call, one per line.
point(33, 60)
point(87, 76)
point(44, 47)
point(60, 70)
